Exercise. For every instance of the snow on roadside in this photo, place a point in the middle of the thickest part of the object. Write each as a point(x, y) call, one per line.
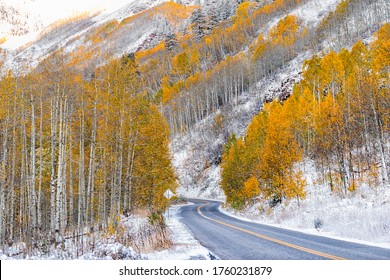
point(185, 246)
point(336, 230)
point(362, 217)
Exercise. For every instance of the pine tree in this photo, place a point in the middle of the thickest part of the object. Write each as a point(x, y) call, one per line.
point(170, 41)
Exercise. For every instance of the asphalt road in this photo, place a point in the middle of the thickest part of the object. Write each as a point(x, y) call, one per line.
point(230, 238)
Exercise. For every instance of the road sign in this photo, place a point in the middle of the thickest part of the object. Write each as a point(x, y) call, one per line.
point(168, 194)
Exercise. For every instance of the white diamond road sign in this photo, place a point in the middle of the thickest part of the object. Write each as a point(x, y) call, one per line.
point(168, 194)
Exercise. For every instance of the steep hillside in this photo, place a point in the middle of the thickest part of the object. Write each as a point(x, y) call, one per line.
point(22, 20)
point(93, 31)
point(70, 32)
point(328, 27)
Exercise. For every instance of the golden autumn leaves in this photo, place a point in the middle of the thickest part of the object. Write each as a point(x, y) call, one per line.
point(78, 150)
point(338, 116)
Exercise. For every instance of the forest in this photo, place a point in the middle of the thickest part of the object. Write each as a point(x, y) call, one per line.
point(78, 151)
point(82, 143)
point(338, 116)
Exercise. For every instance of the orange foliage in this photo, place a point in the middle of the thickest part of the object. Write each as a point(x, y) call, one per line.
point(150, 52)
point(175, 12)
point(285, 32)
point(104, 31)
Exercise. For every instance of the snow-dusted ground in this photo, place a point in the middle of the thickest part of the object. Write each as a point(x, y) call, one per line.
point(111, 247)
point(185, 246)
point(313, 11)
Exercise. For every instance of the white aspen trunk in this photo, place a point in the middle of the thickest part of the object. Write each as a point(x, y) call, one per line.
point(64, 214)
point(54, 124)
point(120, 166)
point(378, 122)
point(3, 177)
point(59, 180)
point(112, 197)
point(33, 204)
point(131, 172)
point(13, 174)
point(385, 177)
point(81, 194)
point(91, 166)
point(21, 213)
point(71, 191)
point(25, 229)
point(25, 179)
point(103, 190)
point(126, 191)
point(39, 199)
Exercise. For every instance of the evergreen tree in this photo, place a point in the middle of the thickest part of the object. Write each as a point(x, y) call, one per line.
point(199, 25)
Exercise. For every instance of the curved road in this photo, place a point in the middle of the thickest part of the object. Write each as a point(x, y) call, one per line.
point(230, 238)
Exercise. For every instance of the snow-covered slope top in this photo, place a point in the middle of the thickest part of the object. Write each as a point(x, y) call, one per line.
point(21, 21)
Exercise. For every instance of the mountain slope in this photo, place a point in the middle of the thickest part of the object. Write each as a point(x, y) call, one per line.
point(71, 32)
point(92, 28)
point(203, 140)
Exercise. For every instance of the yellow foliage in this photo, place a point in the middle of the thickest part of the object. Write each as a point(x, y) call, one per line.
point(144, 54)
point(286, 31)
point(170, 92)
point(243, 11)
point(194, 59)
point(332, 73)
point(381, 50)
point(251, 188)
point(181, 65)
point(260, 47)
point(193, 80)
point(174, 12)
point(82, 57)
point(103, 32)
point(352, 187)
point(294, 186)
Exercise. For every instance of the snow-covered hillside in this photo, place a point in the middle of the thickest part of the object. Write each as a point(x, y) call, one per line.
point(21, 21)
point(69, 26)
point(32, 30)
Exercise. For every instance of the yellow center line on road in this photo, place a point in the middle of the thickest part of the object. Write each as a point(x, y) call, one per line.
point(307, 250)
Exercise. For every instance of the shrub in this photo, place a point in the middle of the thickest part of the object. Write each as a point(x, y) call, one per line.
point(318, 224)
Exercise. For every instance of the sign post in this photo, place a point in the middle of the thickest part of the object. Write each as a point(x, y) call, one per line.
point(168, 194)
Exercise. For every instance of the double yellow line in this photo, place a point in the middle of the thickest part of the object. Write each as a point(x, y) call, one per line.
point(307, 250)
